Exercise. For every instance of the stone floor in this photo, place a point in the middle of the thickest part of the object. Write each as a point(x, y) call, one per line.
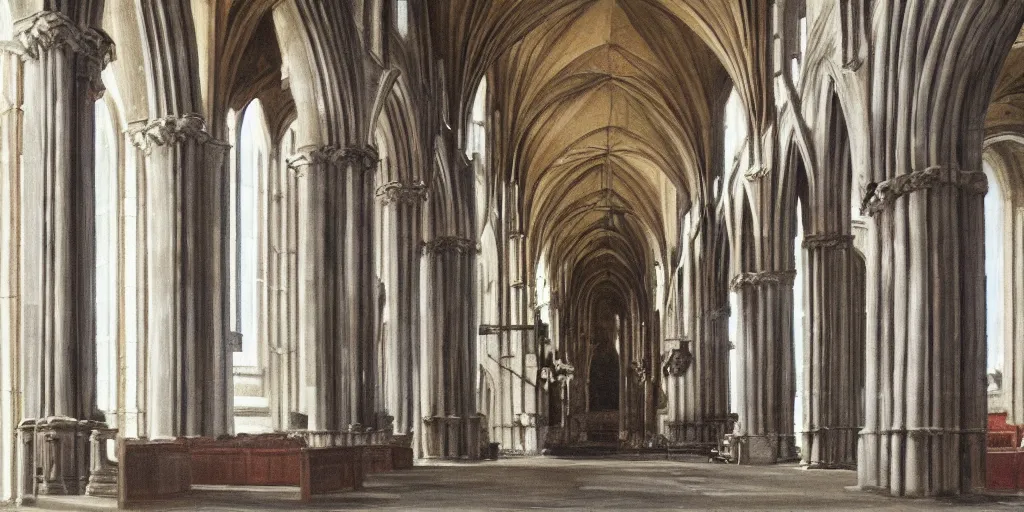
point(575, 484)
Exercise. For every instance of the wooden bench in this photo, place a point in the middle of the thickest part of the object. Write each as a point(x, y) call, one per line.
point(1004, 460)
point(165, 470)
point(150, 471)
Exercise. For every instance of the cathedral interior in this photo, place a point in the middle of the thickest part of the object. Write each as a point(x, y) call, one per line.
point(626, 253)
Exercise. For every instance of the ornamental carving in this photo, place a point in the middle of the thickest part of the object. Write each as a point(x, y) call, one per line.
point(828, 241)
point(887, 192)
point(173, 130)
point(363, 158)
point(443, 244)
point(720, 313)
point(757, 172)
point(640, 371)
point(396, 192)
point(679, 361)
point(753, 279)
point(48, 31)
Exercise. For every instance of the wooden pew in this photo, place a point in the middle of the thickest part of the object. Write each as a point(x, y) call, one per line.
point(164, 470)
point(328, 470)
point(245, 460)
point(1004, 460)
point(151, 471)
point(275, 460)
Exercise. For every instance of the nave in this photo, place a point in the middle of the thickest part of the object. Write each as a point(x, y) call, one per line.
point(313, 243)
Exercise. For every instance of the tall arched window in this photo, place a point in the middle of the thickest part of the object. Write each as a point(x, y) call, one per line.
point(402, 17)
point(994, 264)
point(476, 142)
point(248, 269)
point(735, 136)
point(796, 37)
point(798, 322)
point(248, 216)
point(107, 267)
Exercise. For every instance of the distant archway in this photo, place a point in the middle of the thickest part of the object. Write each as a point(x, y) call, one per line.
point(248, 265)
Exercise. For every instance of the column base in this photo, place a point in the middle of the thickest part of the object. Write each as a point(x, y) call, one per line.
point(830, 448)
point(103, 472)
point(451, 437)
point(764, 449)
point(102, 484)
point(684, 433)
point(55, 456)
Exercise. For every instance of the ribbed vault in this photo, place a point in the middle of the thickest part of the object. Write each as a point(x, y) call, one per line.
point(608, 112)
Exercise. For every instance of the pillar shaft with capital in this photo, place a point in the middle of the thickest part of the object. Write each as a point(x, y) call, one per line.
point(764, 360)
point(338, 315)
point(186, 353)
point(402, 210)
point(62, 61)
point(184, 214)
point(833, 355)
point(703, 387)
point(448, 354)
point(925, 377)
point(62, 64)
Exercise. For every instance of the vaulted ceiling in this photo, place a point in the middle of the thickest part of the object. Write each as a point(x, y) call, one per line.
point(607, 125)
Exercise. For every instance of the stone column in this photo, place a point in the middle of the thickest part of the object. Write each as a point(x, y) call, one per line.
point(448, 355)
point(57, 274)
point(925, 379)
point(764, 357)
point(702, 361)
point(917, 439)
point(187, 359)
point(283, 364)
point(833, 357)
point(62, 66)
point(184, 222)
point(336, 285)
point(10, 178)
point(402, 205)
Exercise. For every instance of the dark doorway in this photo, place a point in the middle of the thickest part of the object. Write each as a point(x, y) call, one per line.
point(604, 378)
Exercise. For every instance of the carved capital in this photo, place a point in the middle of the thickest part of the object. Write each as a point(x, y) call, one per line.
point(51, 31)
point(828, 241)
point(755, 279)
point(887, 192)
point(718, 314)
point(679, 361)
point(173, 130)
point(757, 172)
point(640, 371)
point(363, 159)
point(402, 193)
point(443, 244)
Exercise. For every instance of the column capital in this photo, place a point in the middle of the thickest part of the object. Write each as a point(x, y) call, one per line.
point(404, 193)
point(50, 30)
point(363, 158)
point(718, 313)
point(172, 130)
point(828, 241)
point(757, 172)
point(443, 244)
point(885, 194)
point(756, 279)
